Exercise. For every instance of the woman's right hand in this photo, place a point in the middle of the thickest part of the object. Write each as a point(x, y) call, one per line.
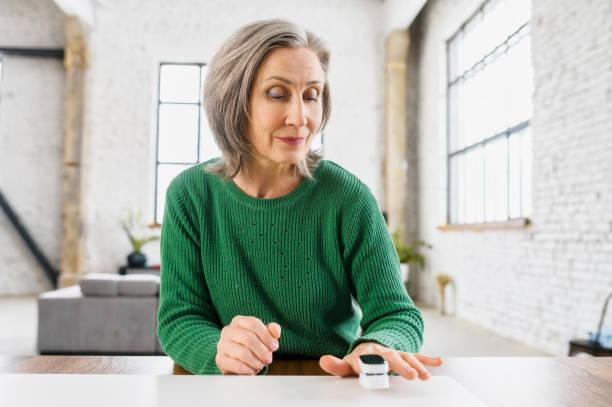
point(246, 345)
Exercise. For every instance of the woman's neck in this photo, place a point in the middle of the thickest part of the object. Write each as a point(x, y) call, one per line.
point(267, 179)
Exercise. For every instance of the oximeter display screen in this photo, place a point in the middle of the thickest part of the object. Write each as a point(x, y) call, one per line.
point(372, 359)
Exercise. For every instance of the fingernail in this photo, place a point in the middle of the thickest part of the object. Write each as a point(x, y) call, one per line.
point(269, 360)
point(274, 345)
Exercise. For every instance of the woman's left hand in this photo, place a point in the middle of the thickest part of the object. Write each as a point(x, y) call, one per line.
point(408, 365)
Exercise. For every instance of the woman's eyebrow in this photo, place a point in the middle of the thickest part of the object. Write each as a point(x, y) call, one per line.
point(288, 82)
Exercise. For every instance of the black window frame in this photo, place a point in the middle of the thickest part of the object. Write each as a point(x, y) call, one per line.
point(200, 65)
point(488, 58)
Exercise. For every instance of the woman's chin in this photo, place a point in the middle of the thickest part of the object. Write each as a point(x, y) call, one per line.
point(291, 158)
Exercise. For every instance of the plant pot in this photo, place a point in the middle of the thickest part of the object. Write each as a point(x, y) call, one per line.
point(137, 260)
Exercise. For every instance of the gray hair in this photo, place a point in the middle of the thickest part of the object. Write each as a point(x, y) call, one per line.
point(229, 79)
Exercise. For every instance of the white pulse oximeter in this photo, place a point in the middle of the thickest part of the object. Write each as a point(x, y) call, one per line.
point(373, 372)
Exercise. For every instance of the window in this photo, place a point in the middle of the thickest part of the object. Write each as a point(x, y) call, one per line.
point(183, 137)
point(490, 86)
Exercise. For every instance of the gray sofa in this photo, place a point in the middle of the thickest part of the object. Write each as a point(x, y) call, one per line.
point(104, 314)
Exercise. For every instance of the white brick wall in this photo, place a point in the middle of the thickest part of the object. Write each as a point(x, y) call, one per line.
point(545, 284)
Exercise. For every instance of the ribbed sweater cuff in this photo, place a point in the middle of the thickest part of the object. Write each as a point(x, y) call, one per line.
point(198, 356)
point(390, 339)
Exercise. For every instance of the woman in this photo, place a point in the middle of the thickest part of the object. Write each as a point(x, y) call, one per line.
point(264, 249)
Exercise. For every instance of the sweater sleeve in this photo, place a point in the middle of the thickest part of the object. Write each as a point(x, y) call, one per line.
point(389, 315)
point(188, 327)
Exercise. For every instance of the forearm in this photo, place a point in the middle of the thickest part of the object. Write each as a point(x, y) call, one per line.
point(189, 340)
point(402, 330)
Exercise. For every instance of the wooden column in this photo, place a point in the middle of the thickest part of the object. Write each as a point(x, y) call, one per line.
point(75, 63)
point(396, 131)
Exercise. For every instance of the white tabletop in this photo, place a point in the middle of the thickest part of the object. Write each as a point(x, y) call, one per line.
point(50, 390)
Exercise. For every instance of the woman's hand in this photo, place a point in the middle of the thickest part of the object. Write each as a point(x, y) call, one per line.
point(408, 365)
point(246, 345)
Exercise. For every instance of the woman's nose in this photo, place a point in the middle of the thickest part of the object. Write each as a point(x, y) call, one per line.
point(297, 113)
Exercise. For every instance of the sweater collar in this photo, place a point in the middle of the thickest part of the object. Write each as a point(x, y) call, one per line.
point(288, 199)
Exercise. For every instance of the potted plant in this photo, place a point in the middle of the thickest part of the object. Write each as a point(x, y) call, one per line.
point(138, 234)
point(409, 254)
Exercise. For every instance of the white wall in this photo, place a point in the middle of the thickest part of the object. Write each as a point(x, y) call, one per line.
point(31, 119)
point(545, 284)
point(399, 14)
point(31, 23)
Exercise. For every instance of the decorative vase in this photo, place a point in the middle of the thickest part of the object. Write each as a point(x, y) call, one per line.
point(137, 260)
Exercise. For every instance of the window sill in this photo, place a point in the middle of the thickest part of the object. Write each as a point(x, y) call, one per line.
point(520, 223)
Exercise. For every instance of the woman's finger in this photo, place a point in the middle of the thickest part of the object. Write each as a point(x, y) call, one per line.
point(399, 365)
point(230, 365)
point(335, 366)
point(274, 329)
point(416, 364)
point(429, 360)
point(243, 354)
point(252, 341)
point(258, 327)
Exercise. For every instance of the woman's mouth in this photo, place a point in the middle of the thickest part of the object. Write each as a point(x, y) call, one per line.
point(294, 141)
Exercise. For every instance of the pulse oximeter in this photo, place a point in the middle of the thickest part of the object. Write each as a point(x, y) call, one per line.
point(373, 372)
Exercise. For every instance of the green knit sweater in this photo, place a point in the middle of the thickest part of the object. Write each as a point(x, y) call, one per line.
point(299, 260)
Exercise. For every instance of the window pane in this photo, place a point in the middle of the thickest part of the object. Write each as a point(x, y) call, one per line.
point(519, 89)
point(493, 32)
point(208, 145)
point(179, 83)
point(495, 82)
point(453, 58)
point(469, 112)
point(203, 71)
point(453, 188)
point(473, 186)
point(178, 133)
point(165, 174)
point(496, 180)
point(486, 114)
point(453, 123)
point(471, 41)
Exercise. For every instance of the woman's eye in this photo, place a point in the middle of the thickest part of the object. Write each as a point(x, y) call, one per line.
point(276, 93)
point(313, 95)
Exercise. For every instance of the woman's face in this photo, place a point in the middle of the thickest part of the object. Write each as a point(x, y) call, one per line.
point(285, 105)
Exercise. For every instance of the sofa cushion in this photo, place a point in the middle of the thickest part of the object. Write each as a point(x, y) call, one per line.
point(100, 284)
point(139, 285)
point(58, 320)
point(123, 325)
